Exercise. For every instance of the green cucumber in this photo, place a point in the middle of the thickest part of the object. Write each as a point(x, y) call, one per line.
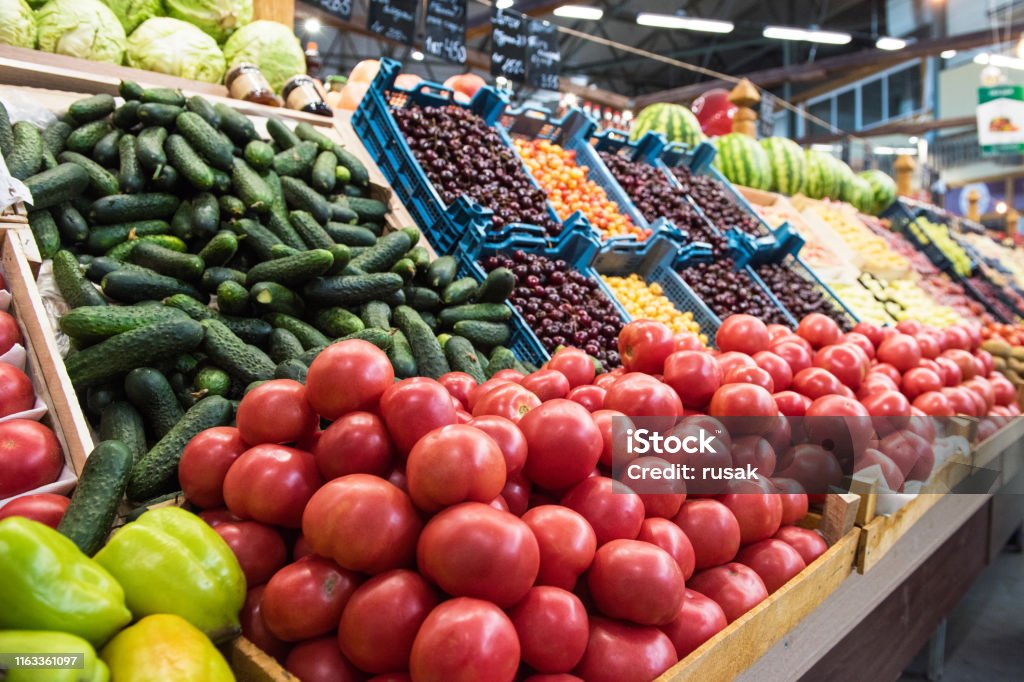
point(26, 159)
point(168, 96)
point(257, 237)
point(205, 214)
point(441, 272)
point(129, 176)
point(324, 176)
point(130, 90)
point(351, 289)
point(102, 181)
point(422, 299)
point(292, 270)
point(259, 155)
point(497, 287)
point(57, 185)
point(236, 125)
point(232, 298)
point(401, 356)
point(104, 238)
point(279, 224)
point(54, 137)
point(187, 267)
point(430, 360)
point(188, 163)
point(291, 369)
point(429, 318)
point(83, 138)
point(123, 251)
point(284, 345)
point(368, 210)
point(151, 394)
point(242, 361)
point(483, 312)
point(281, 134)
point(297, 161)
point(388, 250)
point(73, 286)
point(93, 323)
point(129, 286)
point(378, 337)
point(341, 213)
point(72, 224)
point(278, 204)
point(483, 334)
point(301, 197)
point(149, 147)
point(407, 270)
point(204, 138)
point(338, 322)
point(343, 175)
point(462, 357)
point(6, 132)
point(101, 266)
point(125, 208)
point(126, 116)
point(213, 276)
point(220, 249)
point(314, 236)
point(308, 335)
point(45, 231)
point(91, 108)
point(230, 207)
point(105, 152)
point(376, 314)
point(90, 514)
point(250, 187)
point(341, 254)
point(357, 171)
point(281, 251)
point(204, 108)
point(211, 381)
point(421, 257)
point(121, 421)
point(221, 181)
point(248, 329)
point(157, 114)
point(501, 358)
point(306, 132)
point(351, 235)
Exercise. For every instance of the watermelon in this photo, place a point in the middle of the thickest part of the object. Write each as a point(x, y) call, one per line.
point(674, 121)
point(742, 160)
point(857, 191)
point(846, 178)
point(822, 175)
point(786, 159)
point(883, 190)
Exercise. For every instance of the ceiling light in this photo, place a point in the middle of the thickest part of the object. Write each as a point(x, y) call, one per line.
point(416, 55)
point(579, 12)
point(827, 148)
point(1000, 60)
point(890, 43)
point(504, 4)
point(1001, 207)
point(912, 139)
point(312, 25)
point(809, 35)
point(892, 151)
point(947, 54)
point(687, 23)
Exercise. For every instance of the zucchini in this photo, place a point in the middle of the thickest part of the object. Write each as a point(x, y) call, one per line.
point(126, 208)
point(57, 185)
point(157, 471)
point(105, 152)
point(307, 133)
point(126, 116)
point(54, 136)
point(91, 108)
point(220, 249)
point(236, 125)
point(357, 171)
point(92, 323)
point(292, 369)
point(205, 139)
point(45, 231)
point(90, 514)
point(292, 270)
point(284, 345)
point(184, 266)
point(129, 176)
point(430, 359)
point(350, 235)
point(308, 335)
point(281, 134)
point(149, 146)
point(204, 108)
point(401, 356)
point(168, 96)
point(157, 114)
point(102, 181)
point(483, 312)
point(72, 225)
point(376, 314)
point(73, 286)
point(188, 163)
point(131, 286)
point(244, 362)
point(301, 197)
point(324, 176)
point(483, 334)
point(497, 287)
point(205, 214)
point(211, 381)
point(83, 138)
point(121, 421)
point(388, 250)
point(151, 394)
point(462, 357)
point(314, 236)
point(297, 161)
point(351, 289)
point(258, 238)
point(104, 238)
point(26, 158)
point(232, 298)
point(250, 187)
point(441, 272)
point(213, 276)
point(279, 224)
point(338, 322)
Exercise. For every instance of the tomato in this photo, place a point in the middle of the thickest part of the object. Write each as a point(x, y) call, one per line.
point(920, 380)
point(964, 360)
point(860, 341)
point(30, 456)
point(752, 402)
point(668, 536)
point(1002, 390)
point(736, 588)
point(566, 542)
point(459, 386)
point(381, 619)
point(759, 514)
point(775, 562)
point(815, 382)
point(465, 640)
point(215, 517)
point(610, 507)
point(892, 476)
point(259, 548)
point(731, 360)
point(412, 408)
point(820, 330)
point(688, 341)
point(843, 421)
point(590, 397)
point(255, 630)
point(320, 660)
point(574, 364)
point(661, 497)
point(987, 360)
point(564, 444)
point(951, 373)
point(712, 529)
point(272, 484)
point(795, 355)
point(606, 421)
point(750, 375)
point(956, 337)
point(305, 599)
point(516, 493)
point(641, 395)
point(358, 442)
point(794, 500)
point(699, 619)
point(16, 392)
point(454, 464)
point(508, 437)
point(813, 467)
point(742, 333)
point(607, 379)
point(10, 333)
point(205, 462)
point(46, 508)
point(622, 652)
point(934, 404)
point(301, 548)
point(508, 400)
point(791, 403)
point(911, 453)
point(887, 404)
point(807, 543)
point(694, 375)
point(644, 345)
point(275, 412)
point(348, 376)
point(636, 581)
point(553, 629)
point(930, 345)
point(781, 374)
point(557, 677)
point(755, 451)
point(362, 522)
point(845, 362)
point(872, 331)
point(902, 351)
point(547, 384)
point(513, 375)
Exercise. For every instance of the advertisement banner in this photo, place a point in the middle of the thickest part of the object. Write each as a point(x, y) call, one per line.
point(1001, 119)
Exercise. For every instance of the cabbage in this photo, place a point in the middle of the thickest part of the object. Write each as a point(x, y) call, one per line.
point(131, 13)
point(219, 18)
point(36, 4)
point(270, 46)
point(174, 47)
point(86, 29)
point(17, 24)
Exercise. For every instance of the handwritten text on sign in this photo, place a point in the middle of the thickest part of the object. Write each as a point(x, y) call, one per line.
point(445, 30)
point(394, 19)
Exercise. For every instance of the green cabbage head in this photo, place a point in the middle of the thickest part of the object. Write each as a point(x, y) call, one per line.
point(219, 18)
point(131, 13)
point(17, 24)
point(270, 46)
point(86, 29)
point(176, 48)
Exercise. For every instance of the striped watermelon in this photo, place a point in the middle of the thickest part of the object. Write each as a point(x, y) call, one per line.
point(674, 121)
point(857, 191)
point(883, 190)
point(742, 160)
point(787, 163)
point(822, 175)
point(846, 178)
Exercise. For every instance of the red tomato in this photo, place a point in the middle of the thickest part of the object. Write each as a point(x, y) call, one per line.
point(381, 619)
point(513, 375)
point(320, 660)
point(782, 375)
point(699, 619)
point(731, 360)
point(964, 360)
point(736, 588)
point(845, 362)
point(363, 522)
point(813, 467)
point(841, 420)
point(508, 400)
point(575, 365)
point(301, 548)
point(459, 386)
point(464, 640)
point(744, 400)
point(930, 345)
point(636, 581)
point(712, 529)
point(750, 375)
point(920, 380)
point(742, 333)
point(758, 514)
point(275, 412)
point(791, 403)
point(670, 537)
point(606, 421)
point(205, 462)
point(259, 548)
point(479, 391)
point(46, 508)
point(794, 500)
point(557, 677)
point(215, 517)
point(305, 599)
point(956, 337)
point(987, 360)
point(755, 451)
point(546, 384)
point(934, 404)
point(10, 333)
point(901, 351)
point(688, 341)
point(622, 652)
point(860, 341)
point(255, 630)
point(508, 437)
point(870, 330)
point(414, 407)
point(887, 371)
point(1003, 391)
point(357, 443)
point(590, 397)
point(30, 456)
point(644, 345)
point(820, 330)
point(775, 562)
point(808, 544)
point(553, 629)
point(453, 464)
point(272, 484)
point(516, 493)
point(797, 356)
point(16, 392)
point(815, 382)
point(694, 375)
point(661, 497)
point(347, 376)
point(607, 379)
point(564, 444)
point(610, 507)
point(951, 373)
point(566, 542)
point(641, 395)
point(891, 473)
point(887, 404)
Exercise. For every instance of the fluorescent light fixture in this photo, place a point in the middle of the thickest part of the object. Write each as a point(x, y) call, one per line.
point(579, 12)
point(809, 35)
point(504, 4)
point(912, 139)
point(686, 23)
point(947, 54)
point(827, 148)
point(892, 151)
point(890, 43)
point(1000, 60)
point(312, 25)
point(417, 55)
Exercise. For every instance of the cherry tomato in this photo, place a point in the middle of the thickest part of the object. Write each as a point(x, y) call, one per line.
point(699, 619)
point(305, 599)
point(566, 542)
point(694, 375)
point(271, 484)
point(574, 364)
point(743, 333)
point(347, 376)
point(46, 508)
point(454, 464)
point(808, 544)
point(820, 330)
point(736, 588)
point(259, 548)
point(320, 660)
point(623, 652)
point(590, 397)
point(275, 412)
point(644, 345)
point(610, 507)
point(205, 462)
point(564, 444)
point(775, 562)
point(552, 627)
point(712, 529)
point(667, 535)
point(636, 581)
point(459, 385)
point(30, 456)
point(463, 640)
point(508, 400)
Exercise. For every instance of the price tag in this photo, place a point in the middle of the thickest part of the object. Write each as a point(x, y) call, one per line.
point(544, 59)
point(394, 19)
point(339, 8)
point(445, 30)
point(509, 37)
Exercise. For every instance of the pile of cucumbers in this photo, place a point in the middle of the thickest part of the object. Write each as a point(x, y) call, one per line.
point(199, 260)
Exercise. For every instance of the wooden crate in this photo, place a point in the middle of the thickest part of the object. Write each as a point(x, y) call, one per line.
point(251, 664)
point(734, 649)
point(14, 217)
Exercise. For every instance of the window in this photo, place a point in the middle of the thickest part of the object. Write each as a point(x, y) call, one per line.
point(904, 91)
point(823, 110)
point(846, 110)
point(871, 103)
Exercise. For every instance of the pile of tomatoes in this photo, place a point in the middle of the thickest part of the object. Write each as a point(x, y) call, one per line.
point(1013, 334)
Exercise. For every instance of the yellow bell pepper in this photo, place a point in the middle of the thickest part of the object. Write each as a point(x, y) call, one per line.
point(162, 648)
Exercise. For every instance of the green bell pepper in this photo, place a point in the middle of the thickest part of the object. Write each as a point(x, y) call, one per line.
point(171, 561)
point(47, 583)
point(32, 643)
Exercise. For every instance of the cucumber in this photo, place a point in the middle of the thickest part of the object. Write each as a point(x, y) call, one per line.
point(91, 108)
point(497, 287)
point(236, 125)
point(188, 163)
point(284, 345)
point(105, 152)
point(188, 363)
point(104, 238)
point(292, 270)
point(341, 255)
point(125, 208)
point(220, 249)
point(297, 161)
point(301, 197)
point(429, 318)
point(483, 312)
point(130, 90)
point(221, 181)
point(273, 180)
point(181, 221)
point(166, 179)
point(45, 231)
point(121, 421)
point(394, 298)
point(401, 356)
point(205, 139)
point(204, 108)
point(430, 359)
point(168, 96)
point(350, 235)
point(26, 158)
point(291, 369)
point(129, 286)
point(230, 207)
point(376, 314)
point(378, 337)
point(462, 357)
point(129, 176)
point(205, 214)
point(149, 146)
point(351, 289)
point(157, 114)
point(151, 394)
point(248, 329)
point(368, 210)
point(324, 176)
point(157, 471)
point(314, 236)
point(244, 362)
point(90, 514)
point(422, 299)
point(135, 348)
point(281, 251)
point(57, 185)
point(6, 132)
point(73, 286)
point(357, 171)
point(338, 322)
point(341, 213)
point(441, 272)
point(501, 358)
point(123, 251)
point(306, 132)
point(483, 334)
point(49, 161)
point(126, 116)
point(93, 323)
point(259, 155)
point(184, 266)
point(54, 136)
point(388, 250)
point(213, 276)
point(308, 335)
point(72, 225)
point(343, 175)
point(421, 258)
point(100, 266)
point(257, 237)
point(279, 224)
point(281, 134)
point(102, 181)
point(83, 138)
point(232, 298)
point(250, 187)
point(211, 381)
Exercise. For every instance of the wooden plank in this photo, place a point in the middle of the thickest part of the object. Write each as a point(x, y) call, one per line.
point(250, 664)
point(281, 11)
point(1007, 438)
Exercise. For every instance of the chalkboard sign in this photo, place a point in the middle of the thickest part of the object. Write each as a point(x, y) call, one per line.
point(339, 8)
point(394, 19)
point(543, 58)
point(509, 36)
point(445, 30)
